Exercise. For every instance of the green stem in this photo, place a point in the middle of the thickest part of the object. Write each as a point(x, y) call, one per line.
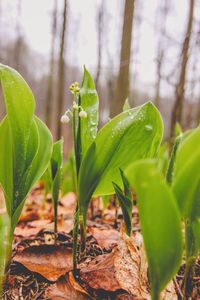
point(188, 277)
point(155, 295)
point(8, 254)
point(191, 252)
point(55, 218)
point(75, 239)
point(83, 235)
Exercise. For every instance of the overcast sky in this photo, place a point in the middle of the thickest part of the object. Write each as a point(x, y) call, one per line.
point(82, 37)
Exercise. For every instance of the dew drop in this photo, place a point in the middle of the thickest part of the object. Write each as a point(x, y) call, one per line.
point(148, 127)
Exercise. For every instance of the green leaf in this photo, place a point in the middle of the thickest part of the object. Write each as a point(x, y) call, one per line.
point(170, 170)
point(187, 172)
point(47, 180)
point(56, 168)
point(90, 103)
point(69, 175)
point(131, 135)
point(26, 143)
point(126, 105)
point(163, 158)
point(20, 107)
point(37, 167)
point(126, 202)
point(160, 223)
point(3, 234)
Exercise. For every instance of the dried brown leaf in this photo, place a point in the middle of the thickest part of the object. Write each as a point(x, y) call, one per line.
point(130, 268)
point(99, 274)
point(106, 238)
point(63, 289)
point(50, 261)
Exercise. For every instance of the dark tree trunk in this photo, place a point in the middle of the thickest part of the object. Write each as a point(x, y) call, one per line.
point(61, 72)
point(180, 87)
point(122, 88)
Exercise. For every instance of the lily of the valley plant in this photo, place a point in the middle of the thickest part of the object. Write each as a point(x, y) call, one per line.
point(26, 146)
point(135, 133)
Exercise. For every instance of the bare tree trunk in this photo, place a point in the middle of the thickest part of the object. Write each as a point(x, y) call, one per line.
point(180, 87)
point(162, 18)
point(49, 92)
point(18, 44)
point(100, 42)
point(61, 72)
point(122, 89)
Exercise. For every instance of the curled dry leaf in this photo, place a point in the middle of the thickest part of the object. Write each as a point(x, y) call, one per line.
point(99, 274)
point(50, 261)
point(106, 238)
point(64, 289)
point(131, 268)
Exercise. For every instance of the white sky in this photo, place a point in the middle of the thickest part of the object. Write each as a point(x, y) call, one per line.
point(82, 38)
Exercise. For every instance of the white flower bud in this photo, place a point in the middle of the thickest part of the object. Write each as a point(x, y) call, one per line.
point(83, 114)
point(64, 119)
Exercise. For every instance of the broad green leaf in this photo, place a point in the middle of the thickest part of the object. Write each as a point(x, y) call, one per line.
point(90, 103)
point(187, 172)
point(131, 135)
point(189, 146)
point(20, 106)
point(38, 165)
point(160, 223)
point(26, 143)
point(126, 202)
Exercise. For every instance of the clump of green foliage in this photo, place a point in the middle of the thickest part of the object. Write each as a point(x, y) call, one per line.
point(134, 134)
point(160, 223)
point(166, 207)
point(26, 146)
point(167, 196)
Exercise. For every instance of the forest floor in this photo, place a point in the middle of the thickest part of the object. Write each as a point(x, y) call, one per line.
point(114, 266)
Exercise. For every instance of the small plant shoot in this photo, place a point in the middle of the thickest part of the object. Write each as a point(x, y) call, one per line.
point(126, 202)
